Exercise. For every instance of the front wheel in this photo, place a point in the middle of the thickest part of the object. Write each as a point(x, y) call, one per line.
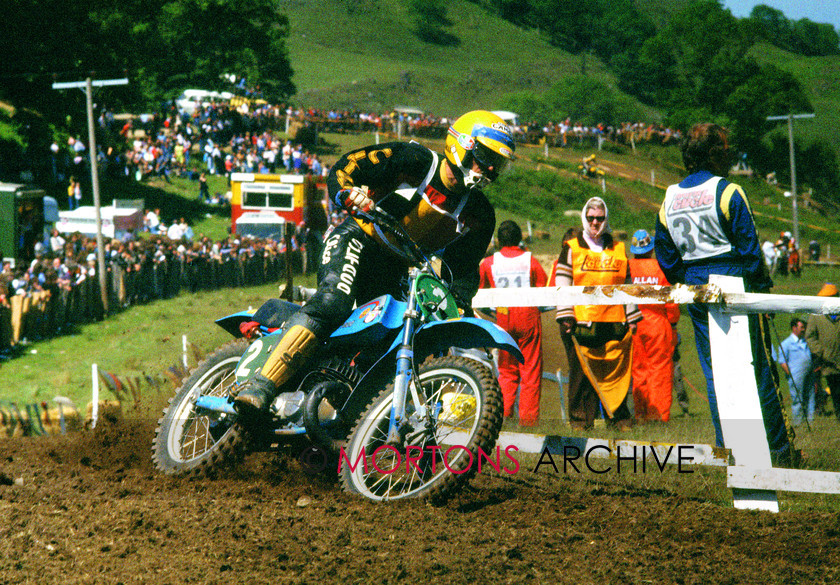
point(442, 444)
point(188, 441)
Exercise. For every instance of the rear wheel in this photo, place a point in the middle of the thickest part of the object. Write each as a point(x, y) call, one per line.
point(439, 451)
point(188, 441)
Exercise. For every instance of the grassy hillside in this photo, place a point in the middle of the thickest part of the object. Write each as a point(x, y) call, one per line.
point(364, 54)
point(633, 200)
point(820, 76)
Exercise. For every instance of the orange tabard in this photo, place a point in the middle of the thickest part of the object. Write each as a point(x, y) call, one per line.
point(595, 268)
point(647, 271)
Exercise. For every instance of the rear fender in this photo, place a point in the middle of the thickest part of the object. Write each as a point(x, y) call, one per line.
point(231, 323)
point(272, 314)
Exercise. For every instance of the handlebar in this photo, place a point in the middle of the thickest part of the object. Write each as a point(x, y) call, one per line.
point(408, 247)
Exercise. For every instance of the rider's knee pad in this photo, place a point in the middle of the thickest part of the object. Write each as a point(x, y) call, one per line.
point(296, 345)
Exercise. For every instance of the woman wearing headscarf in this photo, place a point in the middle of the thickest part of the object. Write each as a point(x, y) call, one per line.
point(598, 338)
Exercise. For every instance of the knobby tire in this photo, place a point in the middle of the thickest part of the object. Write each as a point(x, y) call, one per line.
point(475, 380)
point(184, 443)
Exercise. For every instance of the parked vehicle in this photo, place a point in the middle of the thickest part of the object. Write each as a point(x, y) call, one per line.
point(261, 204)
point(191, 99)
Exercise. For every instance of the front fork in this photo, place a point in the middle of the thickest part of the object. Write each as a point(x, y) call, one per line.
point(404, 380)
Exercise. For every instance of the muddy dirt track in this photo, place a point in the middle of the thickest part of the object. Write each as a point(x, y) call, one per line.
point(88, 508)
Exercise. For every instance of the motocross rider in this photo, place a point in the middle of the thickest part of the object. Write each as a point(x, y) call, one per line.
point(440, 204)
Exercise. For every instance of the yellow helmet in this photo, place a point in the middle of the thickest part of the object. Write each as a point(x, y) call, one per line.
point(482, 137)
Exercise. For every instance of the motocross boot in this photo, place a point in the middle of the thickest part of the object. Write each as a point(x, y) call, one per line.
point(257, 394)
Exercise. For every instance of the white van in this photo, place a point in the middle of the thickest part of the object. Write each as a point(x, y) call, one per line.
point(511, 118)
point(116, 222)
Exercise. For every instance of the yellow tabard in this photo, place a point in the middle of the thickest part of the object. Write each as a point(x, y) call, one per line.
point(608, 369)
point(593, 268)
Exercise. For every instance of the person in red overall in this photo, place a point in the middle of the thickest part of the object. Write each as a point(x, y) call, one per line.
point(794, 264)
point(654, 341)
point(512, 266)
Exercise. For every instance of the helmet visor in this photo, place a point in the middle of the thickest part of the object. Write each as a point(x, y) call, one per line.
point(491, 162)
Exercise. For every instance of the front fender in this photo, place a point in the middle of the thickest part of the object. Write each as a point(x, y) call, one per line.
point(466, 332)
point(432, 338)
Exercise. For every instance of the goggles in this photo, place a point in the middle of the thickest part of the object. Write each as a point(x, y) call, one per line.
point(491, 162)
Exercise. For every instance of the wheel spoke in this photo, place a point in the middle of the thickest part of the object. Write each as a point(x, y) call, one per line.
point(454, 403)
point(189, 441)
point(191, 435)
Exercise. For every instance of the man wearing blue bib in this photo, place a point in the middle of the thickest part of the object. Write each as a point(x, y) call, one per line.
point(705, 226)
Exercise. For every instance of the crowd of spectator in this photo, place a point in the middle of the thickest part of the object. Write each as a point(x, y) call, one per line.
point(417, 124)
point(60, 287)
point(563, 133)
point(567, 133)
point(247, 138)
point(226, 140)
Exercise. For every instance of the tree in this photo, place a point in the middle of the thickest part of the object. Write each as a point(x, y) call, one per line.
point(727, 69)
point(162, 46)
point(803, 37)
point(818, 163)
point(651, 73)
point(530, 107)
point(605, 27)
point(590, 101)
point(771, 25)
point(812, 39)
point(621, 30)
point(194, 42)
point(770, 92)
point(696, 34)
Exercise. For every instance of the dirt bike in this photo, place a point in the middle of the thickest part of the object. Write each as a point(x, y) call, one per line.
point(591, 171)
point(384, 399)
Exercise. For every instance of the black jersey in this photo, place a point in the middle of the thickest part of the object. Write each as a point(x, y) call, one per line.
point(406, 180)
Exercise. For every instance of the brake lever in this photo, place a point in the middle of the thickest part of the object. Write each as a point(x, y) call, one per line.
point(379, 216)
point(374, 214)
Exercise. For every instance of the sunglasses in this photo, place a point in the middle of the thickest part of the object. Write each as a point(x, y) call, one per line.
point(591, 218)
